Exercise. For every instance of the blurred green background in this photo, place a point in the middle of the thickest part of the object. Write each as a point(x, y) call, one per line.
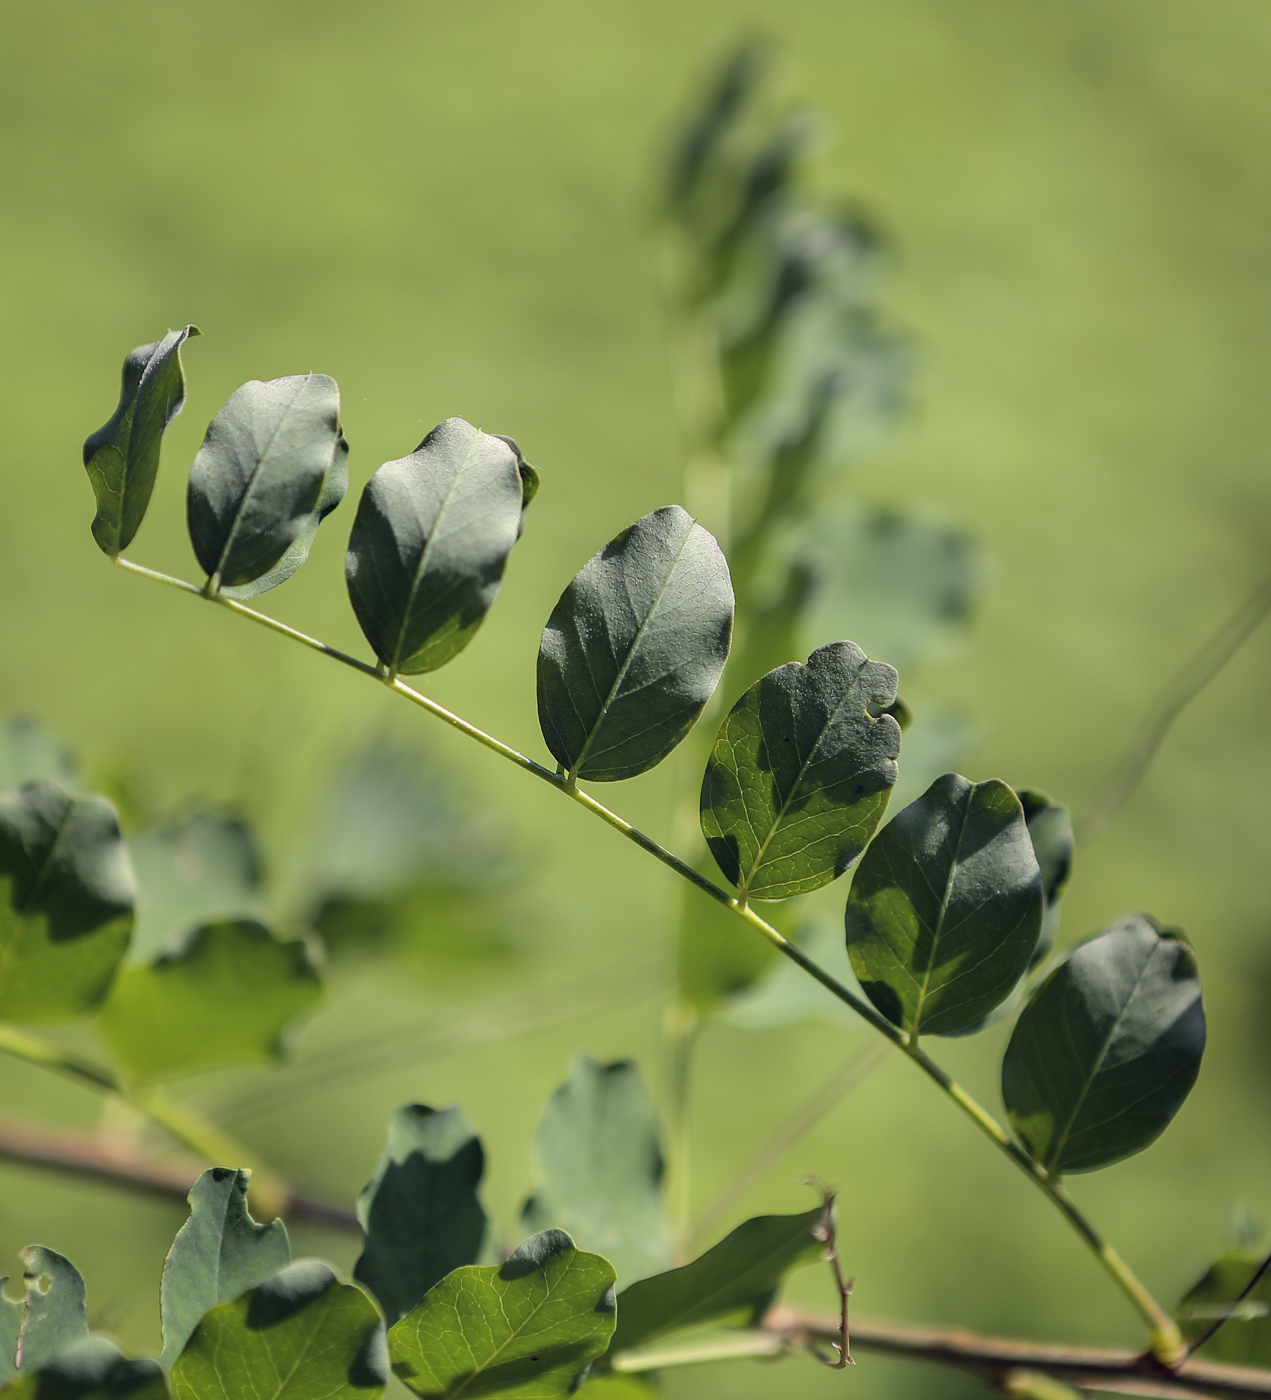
point(449, 209)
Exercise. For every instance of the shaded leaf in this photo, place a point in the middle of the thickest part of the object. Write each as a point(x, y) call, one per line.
point(224, 999)
point(527, 1327)
point(429, 545)
point(1050, 830)
point(945, 907)
point(600, 1169)
point(50, 1317)
point(635, 648)
point(122, 458)
point(258, 478)
point(218, 1254)
point(733, 1282)
point(66, 900)
point(29, 754)
point(302, 1335)
point(1244, 1339)
point(91, 1369)
point(1106, 1050)
point(800, 773)
point(420, 1213)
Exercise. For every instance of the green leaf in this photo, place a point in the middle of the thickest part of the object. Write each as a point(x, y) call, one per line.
point(191, 872)
point(1050, 830)
point(51, 1316)
point(218, 1254)
point(600, 1169)
point(1107, 1048)
point(224, 999)
point(29, 754)
point(635, 648)
point(270, 453)
point(1244, 1339)
point(301, 1335)
point(420, 1213)
point(527, 1327)
point(801, 772)
point(66, 898)
point(733, 1282)
point(122, 458)
point(91, 1369)
point(945, 907)
point(429, 545)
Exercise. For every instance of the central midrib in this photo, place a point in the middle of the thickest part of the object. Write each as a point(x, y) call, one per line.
point(944, 906)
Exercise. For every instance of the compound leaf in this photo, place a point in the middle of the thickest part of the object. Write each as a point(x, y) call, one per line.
point(801, 772)
point(527, 1327)
point(91, 1369)
point(420, 1213)
point(1050, 830)
point(1107, 1048)
point(224, 999)
point(635, 648)
point(122, 458)
point(219, 1253)
point(258, 478)
point(430, 542)
point(66, 901)
point(733, 1282)
point(946, 907)
point(1244, 1339)
point(600, 1168)
point(301, 1335)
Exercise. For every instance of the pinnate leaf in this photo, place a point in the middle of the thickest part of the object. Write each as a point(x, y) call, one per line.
point(66, 903)
point(635, 648)
point(1244, 1339)
point(122, 457)
point(946, 907)
point(430, 542)
point(420, 1213)
point(219, 1253)
point(91, 1369)
point(527, 1327)
point(1107, 1048)
point(258, 478)
point(801, 772)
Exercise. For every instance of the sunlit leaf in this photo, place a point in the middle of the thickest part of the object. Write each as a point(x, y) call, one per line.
point(29, 754)
point(122, 458)
point(1244, 1339)
point(66, 901)
point(527, 1327)
point(91, 1369)
point(635, 648)
point(1107, 1048)
point(420, 1213)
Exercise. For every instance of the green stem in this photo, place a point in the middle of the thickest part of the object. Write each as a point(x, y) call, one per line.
point(1167, 1343)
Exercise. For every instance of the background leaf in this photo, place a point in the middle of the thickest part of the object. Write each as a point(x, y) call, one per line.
point(635, 648)
point(420, 1213)
point(1245, 1337)
point(301, 1335)
point(429, 545)
point(225, 999)
point(1050, 830)
point(527, 1327)
point(122, 457)
point(91, 1369)
point(66, 901)
point(600, 1168)
point(946, 907)
point(29, 753)
point(257, 480)
point(1106, 1050)
point(734, 1281)
point(218, 1254)
point(801, 772)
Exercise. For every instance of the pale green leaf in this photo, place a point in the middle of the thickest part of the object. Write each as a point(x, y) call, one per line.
point(51, 1316)
point(29, 754)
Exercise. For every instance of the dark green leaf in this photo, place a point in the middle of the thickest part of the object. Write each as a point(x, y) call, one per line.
point(91, 1369)
point(29, 754)
point(733, 1282)
point(1244, 1339)
point(801, 772)
point(635, 648)
point(258, 480)
point(946, 907)
point(600, 1169)
point(1106, 1050)
point(66, 898)
point(528, 1327)
point(122, 457)
point(530, 479)
point(420, 1213)
point(224, 999)
point(301, 1335)
point(219, 1253)
point(429, 545)
point(1050, 830)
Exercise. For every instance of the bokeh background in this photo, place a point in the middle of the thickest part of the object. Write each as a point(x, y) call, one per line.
point(449, 209)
